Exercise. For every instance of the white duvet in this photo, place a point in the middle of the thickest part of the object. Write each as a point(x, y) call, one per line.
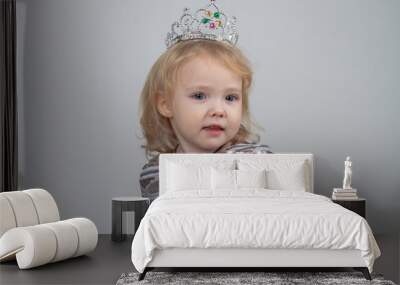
point(251, 218)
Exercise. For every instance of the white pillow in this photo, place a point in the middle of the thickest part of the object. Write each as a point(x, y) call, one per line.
point(181, 177)
point(251, 178)
point(291, 178)
point(223, 179)
point(282, 174)
point(235, 179)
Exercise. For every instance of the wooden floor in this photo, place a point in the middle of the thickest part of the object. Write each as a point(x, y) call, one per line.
point(111, 259)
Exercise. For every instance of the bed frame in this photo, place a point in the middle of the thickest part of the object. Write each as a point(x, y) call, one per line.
point(245, 258)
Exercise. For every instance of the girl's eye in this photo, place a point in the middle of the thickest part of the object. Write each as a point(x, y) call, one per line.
point(232, 98)
point(198, 96)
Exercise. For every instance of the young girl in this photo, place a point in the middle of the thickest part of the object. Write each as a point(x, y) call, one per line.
point(195, 99)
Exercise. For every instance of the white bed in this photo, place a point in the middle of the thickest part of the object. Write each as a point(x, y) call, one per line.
point(197, 224)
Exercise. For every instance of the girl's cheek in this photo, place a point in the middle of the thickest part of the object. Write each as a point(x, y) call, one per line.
point(236, 109)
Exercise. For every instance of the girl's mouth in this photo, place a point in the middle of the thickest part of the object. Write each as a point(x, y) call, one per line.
point(214, 130)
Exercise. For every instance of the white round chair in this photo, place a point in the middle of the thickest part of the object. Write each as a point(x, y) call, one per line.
point(32, 233)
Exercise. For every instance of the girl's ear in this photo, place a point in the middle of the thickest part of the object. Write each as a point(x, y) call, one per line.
point(164, 105)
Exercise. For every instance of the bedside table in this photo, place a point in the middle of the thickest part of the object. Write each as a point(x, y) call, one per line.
point(357, 206)
point(138, 205)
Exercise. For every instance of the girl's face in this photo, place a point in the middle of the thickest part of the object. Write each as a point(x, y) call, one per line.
point(206, 107)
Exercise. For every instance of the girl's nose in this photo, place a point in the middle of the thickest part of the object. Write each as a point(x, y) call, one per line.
point(217, 111)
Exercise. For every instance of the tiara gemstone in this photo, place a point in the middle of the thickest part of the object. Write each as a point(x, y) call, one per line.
point(208, 23)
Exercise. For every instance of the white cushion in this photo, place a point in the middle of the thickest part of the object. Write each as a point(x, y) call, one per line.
point(7, 218)
point(67, 239)
point(227, 179)
point(282, 174)
point(181, 177)
point(87, 233)
point(251, 178)
point(23, 208)
point(223, 179)
point(45, 205)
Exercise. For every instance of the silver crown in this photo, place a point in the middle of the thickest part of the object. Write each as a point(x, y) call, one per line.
point(207, 23)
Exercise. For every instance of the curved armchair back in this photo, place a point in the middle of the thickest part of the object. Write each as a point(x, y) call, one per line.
point(26, 208)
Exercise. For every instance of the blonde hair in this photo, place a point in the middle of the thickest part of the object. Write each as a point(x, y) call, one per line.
point(157, 129)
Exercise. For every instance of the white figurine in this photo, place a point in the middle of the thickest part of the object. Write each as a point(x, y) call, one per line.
point(347, 174)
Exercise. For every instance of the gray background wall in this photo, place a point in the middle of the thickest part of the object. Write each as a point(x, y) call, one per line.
point(327, 81)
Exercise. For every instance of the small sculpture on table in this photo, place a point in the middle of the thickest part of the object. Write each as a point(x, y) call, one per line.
point(347, 174)
point(346, 192)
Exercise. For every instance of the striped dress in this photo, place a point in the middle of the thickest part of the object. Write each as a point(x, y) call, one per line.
point(149, 175)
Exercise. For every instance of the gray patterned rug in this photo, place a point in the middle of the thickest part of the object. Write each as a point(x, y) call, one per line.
point(270, 278)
